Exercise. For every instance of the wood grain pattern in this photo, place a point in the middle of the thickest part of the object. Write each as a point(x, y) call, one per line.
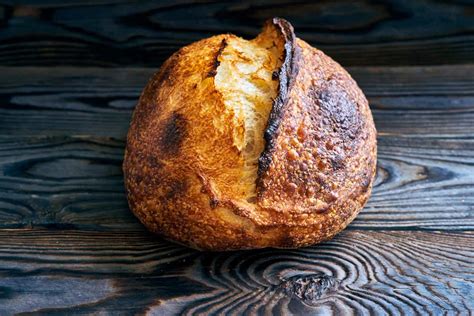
point(70, 75)
point(98, 102)
point(76, 182)
point(76, 272)
point(63, 182)
point(116, 33)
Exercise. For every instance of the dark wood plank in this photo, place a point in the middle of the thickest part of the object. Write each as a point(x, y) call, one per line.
point(74, 182)
point(98, 102)
point(63, 182)
point(116, 33)
point(423, 183)
point(76, 272)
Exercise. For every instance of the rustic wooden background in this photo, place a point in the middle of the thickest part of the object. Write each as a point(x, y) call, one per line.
point(70, 75)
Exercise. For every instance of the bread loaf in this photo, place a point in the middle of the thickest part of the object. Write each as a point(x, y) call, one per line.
point(238, 144)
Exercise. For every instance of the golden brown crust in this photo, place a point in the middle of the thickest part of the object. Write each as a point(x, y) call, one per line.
point(182, 169)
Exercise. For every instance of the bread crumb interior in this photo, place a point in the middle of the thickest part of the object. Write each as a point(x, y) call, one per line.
point(245, 78)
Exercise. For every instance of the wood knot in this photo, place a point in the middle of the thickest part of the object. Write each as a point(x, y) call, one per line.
point(309, 288)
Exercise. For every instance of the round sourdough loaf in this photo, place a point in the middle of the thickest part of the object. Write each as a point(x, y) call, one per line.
point(239, 144)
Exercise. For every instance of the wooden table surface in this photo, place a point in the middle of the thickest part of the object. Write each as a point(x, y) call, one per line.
point(70, 75)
